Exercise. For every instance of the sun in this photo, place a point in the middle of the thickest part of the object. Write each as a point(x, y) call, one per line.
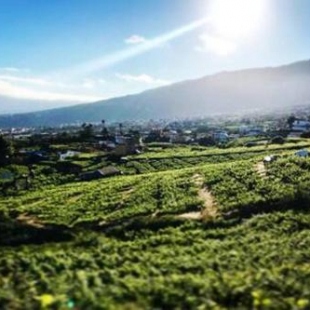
point(237, 18)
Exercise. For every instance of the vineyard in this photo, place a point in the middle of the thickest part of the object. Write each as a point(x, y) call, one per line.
point(158, 159)
point(124, 242)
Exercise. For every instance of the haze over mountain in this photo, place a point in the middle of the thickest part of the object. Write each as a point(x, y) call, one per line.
point(10, 105)
point(226, 92)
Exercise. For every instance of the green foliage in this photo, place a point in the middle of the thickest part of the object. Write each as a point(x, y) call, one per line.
point(277, 140)
point(86, 132)
point(18, 170)
point(120, 244)
point(6, 150)
point(6, 176)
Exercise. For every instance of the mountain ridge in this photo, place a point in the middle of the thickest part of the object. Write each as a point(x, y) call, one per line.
point(223, 92)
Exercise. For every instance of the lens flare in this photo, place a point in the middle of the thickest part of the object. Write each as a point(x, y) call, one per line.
point(120, 56)
point(237, 18)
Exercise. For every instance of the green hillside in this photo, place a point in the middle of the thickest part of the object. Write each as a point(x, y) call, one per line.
point(234, 234)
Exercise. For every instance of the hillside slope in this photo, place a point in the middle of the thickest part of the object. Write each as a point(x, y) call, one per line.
point(122, 243)
point(228, 92)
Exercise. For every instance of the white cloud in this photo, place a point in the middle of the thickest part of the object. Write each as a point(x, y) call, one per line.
point(142, 78)
point(26, 80)
point(10, 69)
point(21, 85)
point(216, 44)
point(92, 83)
point(88, 84)
point(12, 90)
point(135, 39)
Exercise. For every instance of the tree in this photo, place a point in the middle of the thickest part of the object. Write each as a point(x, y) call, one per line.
point(277, 140)
point(121, 128)
point(105, 131)
point(6, 150)
point(305, 135)
point(87, 131)
point(206, 141)
point(290, 121)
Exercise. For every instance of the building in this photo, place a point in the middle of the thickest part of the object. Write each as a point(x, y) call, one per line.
point(301, 125)
point(220, 136)
point(251, 131)
point(68, 167)
point(128, 146)
point(68, 154)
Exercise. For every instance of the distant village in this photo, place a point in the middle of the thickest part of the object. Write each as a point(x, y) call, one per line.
point(90, 151)
point(123, 138)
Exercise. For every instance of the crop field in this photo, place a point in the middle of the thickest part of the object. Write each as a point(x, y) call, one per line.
point(184, 157)
point(170, 158)
point(185, 151)
point(149, 241)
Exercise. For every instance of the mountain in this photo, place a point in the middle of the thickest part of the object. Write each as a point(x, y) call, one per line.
point(225, 92)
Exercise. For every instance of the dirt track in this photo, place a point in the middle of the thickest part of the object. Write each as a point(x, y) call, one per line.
point(210, 210)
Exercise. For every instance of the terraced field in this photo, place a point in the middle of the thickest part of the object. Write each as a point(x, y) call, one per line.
point(122, 243)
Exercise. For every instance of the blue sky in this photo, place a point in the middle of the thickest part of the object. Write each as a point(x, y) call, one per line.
point(73, 51)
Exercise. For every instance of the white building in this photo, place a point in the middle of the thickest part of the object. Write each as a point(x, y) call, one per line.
point(301, 125)
point(68, 154)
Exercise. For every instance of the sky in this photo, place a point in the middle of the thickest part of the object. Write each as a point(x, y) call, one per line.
point(64, 52)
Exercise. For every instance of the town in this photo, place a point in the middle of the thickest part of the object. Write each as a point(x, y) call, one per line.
point(89, 151)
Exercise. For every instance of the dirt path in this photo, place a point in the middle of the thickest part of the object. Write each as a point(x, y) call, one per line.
point(261, 169)
point(191, 216)
point(198, 179)
point(127, 193)
point(210, 210)
point(74, 199)
point(29, 220)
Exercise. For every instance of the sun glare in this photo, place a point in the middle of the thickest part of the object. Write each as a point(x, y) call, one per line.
point(237, 18)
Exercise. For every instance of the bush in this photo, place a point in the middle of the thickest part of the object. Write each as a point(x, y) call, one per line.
point(6, 176)
point(277, 140)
